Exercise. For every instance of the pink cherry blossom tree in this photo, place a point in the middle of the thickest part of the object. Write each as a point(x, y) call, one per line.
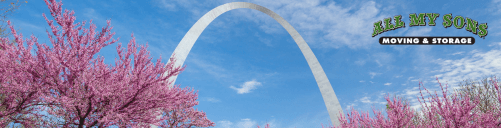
point(20, 88)
point(398, 115)
point(457, 110)
point(453, 111)
point(75, 88)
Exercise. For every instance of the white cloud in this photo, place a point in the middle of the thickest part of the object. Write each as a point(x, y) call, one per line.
point(352, 105)
point(367, 100)
point(412, 95)
point(398, 76)
point(246, 123)
point(98, 19)
point(224, 124)
point(496, 44)
point(264, 40)
point(421, 31)
point(360, 62)
point(474, 66)
point(373, 74)
point(171, 6)
point(387, 84)
point(246, 87)
point(312, 18)
point(361, 81)
point(212, 99)
point(457, 53)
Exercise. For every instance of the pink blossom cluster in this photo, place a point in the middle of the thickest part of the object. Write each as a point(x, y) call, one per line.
point(69, 85)
point(454, 111)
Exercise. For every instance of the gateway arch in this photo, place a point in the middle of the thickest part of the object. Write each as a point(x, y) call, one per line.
point(183, 49)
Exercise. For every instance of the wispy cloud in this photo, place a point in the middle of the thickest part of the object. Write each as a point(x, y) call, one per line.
point(313, 18)
point(264, 40)
point(373, 74)
point(209, 67)
point(412, 79)
point(246, 87)
point(24, 27)
point(421, 31)
point(457, 53)
point(498, 44)
point(475, 66)
point(90, 13)
point(412, 92)
point(211, 99)
point(224, 124)
point(361, 81)
point(171, 6)
point(245, 123)
point(387, 84)
point(382, 58)
point(411, 95)
point(365, 100)
point(315, 21)
point(368, 100)
point(360, 62)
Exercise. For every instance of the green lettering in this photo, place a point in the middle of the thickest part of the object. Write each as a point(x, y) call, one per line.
point(461, 22)
point(398, 22)
point(378, 29)
point(417, 21)
point(471, 25)
point(482, 30)
point(432, 17)
point(447, 20)
point(388, 25)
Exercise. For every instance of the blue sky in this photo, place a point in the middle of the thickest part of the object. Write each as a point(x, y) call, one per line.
point(248, 70)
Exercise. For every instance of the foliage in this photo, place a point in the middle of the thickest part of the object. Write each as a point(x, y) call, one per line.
point(76, 89)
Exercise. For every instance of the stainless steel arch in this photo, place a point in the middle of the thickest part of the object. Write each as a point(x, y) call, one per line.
point(184, 47)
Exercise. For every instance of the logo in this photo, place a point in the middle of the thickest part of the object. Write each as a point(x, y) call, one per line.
point(458, 22)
